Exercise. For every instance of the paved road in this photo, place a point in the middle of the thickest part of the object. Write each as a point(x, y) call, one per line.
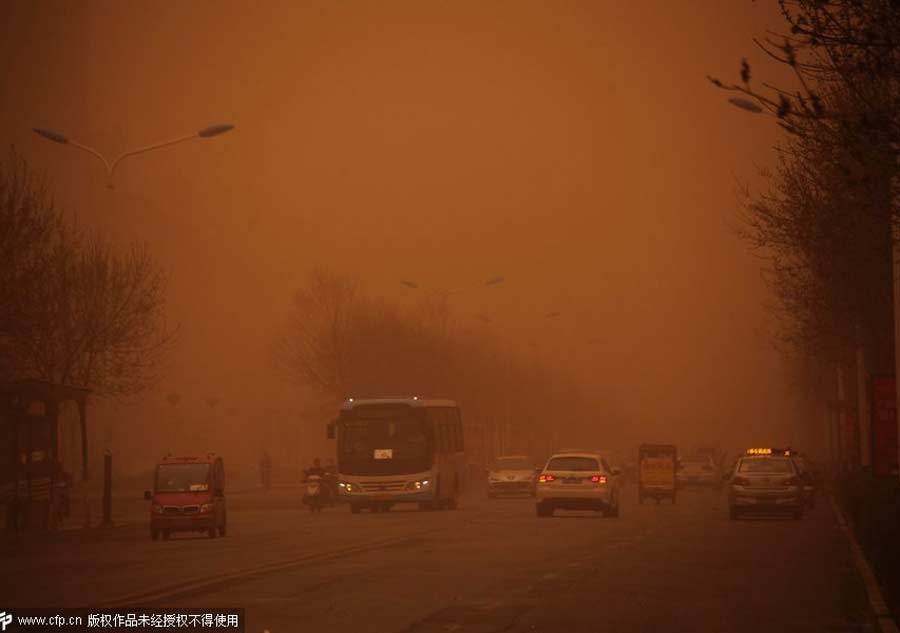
point(489, 566)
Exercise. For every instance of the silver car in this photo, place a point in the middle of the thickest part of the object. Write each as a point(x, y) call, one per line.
point(512, 475)
point(698, 470)
point(765, 483)
point(578, 481)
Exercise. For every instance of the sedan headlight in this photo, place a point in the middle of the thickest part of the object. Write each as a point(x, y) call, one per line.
point(156, 509)
point(346, 486)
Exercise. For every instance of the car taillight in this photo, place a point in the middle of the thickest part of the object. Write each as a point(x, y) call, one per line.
point(599, 479)
point(792, 481)
point(545, 477)
point(740, 481)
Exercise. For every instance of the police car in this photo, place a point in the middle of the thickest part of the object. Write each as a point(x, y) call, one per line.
point(766, 480)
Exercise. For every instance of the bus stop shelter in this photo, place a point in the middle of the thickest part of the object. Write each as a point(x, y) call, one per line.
point(30, 465)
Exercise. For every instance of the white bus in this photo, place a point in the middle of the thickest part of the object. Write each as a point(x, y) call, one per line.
point(399, 450)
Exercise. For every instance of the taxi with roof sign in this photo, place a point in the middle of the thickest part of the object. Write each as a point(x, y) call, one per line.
point(766, 480)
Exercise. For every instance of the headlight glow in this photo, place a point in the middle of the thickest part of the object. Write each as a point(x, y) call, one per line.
point(418, 485)
point(206, 507)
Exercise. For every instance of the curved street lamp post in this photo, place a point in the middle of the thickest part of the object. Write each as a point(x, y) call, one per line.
point(57, 137)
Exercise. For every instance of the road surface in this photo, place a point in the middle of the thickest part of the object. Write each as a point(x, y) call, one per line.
point(491, 565)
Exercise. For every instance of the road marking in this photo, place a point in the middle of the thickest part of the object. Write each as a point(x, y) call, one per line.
point(873, 589)
point(205, 584)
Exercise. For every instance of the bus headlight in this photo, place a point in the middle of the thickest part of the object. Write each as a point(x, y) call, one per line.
point(418, 485)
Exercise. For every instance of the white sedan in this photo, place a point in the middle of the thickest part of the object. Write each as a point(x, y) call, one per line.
point(578, 481)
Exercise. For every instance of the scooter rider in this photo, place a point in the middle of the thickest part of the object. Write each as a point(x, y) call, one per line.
point(324, 491)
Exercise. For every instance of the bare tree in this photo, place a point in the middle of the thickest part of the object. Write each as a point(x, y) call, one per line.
point(313, 351)
point(98, 320)
point(342, 343)
point(30, 226)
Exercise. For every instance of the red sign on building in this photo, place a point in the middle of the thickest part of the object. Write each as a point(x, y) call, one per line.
point(884, 427)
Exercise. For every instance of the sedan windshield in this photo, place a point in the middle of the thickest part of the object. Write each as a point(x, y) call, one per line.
point(512, 463)
point(182, 478)
point(573, 463)
point(766, 465)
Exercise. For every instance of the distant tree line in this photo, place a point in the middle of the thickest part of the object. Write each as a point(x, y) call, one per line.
point(341, 342)
point(827, 219)
point(74, 309)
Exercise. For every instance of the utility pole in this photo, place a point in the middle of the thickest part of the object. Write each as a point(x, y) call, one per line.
point(896, 279)
point(862, 399)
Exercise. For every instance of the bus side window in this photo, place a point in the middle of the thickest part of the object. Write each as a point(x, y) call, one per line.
point(447, 431)
point(440, 429)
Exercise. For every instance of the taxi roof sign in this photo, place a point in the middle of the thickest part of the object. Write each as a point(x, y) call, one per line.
point(787, 452)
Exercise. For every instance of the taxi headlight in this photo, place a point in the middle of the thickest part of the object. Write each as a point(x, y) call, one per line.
point(157, 509)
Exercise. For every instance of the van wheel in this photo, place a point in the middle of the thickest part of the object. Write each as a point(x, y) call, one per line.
point(222, 529)
point(211, 532)
point(154, 534)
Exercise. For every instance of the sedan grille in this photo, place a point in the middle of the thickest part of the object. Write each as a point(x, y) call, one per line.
point(383, 486)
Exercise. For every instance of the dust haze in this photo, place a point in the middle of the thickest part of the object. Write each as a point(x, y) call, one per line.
point(571, 148)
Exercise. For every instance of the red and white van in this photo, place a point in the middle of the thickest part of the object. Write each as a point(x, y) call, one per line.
point(188, 496)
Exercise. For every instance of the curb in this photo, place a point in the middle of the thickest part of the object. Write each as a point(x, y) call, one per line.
point(886, 621)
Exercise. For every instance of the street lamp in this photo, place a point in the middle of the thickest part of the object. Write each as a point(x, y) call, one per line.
point(745, 104)
point(62, 139)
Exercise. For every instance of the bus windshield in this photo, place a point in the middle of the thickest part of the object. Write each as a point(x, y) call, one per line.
point(384, 442)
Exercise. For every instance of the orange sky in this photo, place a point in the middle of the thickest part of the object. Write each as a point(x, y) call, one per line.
point(575, 148)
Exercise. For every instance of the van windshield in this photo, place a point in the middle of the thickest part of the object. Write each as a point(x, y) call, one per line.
point(182, 478)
